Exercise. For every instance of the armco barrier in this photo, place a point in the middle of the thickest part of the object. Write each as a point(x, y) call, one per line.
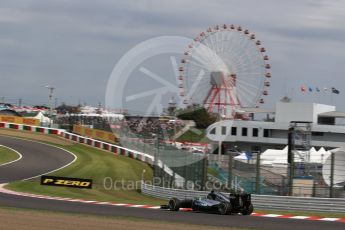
point(31, 128)
point(259, 201)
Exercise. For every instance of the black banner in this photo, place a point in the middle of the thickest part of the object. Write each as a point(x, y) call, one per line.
point(66, 182)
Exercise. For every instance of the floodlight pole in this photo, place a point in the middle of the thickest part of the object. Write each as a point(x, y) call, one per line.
point(51, 91)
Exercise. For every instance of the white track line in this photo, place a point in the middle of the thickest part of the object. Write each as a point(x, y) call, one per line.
point(20, 155)
point(3, 190)
point(299, 217)
point(271, 215)
point(75, 157)
point(329, 219)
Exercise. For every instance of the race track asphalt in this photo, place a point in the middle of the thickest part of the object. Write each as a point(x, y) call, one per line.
point(39, 159)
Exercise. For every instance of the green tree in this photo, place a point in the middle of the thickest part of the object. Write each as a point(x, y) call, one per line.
point(198, 114)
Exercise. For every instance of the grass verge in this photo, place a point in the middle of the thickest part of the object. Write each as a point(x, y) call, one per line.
point(7, 155)
point(193, 136)
point(115, 178)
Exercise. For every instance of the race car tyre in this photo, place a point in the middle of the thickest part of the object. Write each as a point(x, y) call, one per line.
point(248, 210)
point(174, 204)
point(224, 208)
point(195, 208)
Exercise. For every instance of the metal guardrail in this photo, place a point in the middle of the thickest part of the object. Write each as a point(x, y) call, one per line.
point(264, 202)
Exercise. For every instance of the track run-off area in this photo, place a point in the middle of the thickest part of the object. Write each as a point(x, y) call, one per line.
point(39, 159)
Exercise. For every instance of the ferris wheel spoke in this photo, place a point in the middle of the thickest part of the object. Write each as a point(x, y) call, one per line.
point(197, 67)
point(230, 41)
point(250, 68)
point(201, 65)
point(221, 41)
point(244, 100)
point(203, 55)
point(236, 45)
point(251, 88)
point(174, 65)
point(251, 75)
point(202, 47)
point(247, 92)
point(213, 48)
point(242, 97)
point(218, 43)
point(241, 56)
point(247, 84)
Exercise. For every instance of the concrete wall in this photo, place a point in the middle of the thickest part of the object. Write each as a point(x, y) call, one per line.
point(287, 112)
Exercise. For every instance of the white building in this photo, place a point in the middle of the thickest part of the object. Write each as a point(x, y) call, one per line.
point(252, 135)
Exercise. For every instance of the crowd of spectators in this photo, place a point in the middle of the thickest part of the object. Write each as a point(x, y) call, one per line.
point(145, 127)
point(152, 126)
point(96, 122)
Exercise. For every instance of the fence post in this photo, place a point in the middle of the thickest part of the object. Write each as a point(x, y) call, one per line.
point(230, 170)
point(258, 181)
point(331, 195)
point(204, 173)
point(291, 159)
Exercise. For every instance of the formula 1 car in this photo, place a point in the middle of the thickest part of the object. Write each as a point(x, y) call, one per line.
point(215, 202)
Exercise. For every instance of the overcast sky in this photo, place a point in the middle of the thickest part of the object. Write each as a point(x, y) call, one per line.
point(74, 45)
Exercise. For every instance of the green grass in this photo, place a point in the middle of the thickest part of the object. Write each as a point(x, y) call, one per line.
point(97, 165)
point(7, 155)
point(193, 136)
point(212, 171)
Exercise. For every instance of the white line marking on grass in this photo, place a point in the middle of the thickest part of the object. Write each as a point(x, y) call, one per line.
point(20, 155)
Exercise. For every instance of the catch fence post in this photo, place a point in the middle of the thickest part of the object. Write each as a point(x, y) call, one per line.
point(331, 192)
point(258, 181)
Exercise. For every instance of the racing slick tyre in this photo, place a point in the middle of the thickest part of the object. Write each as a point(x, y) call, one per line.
point(248, 210)
point(224, 208)
point(174, 204)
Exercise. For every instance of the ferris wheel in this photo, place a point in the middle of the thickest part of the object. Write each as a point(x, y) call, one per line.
point(224, 69)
